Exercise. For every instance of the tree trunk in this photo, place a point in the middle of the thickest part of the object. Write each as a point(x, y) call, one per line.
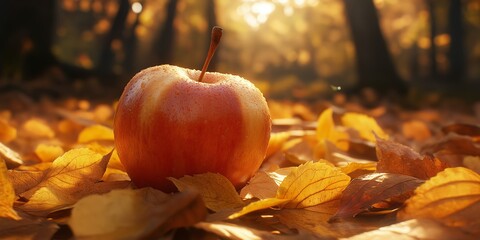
point(433, 34)
point(374, 64)
point(456, 53)
point(164, 46)
point(116, 32)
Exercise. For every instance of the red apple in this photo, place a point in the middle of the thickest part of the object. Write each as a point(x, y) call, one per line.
point(169, 124)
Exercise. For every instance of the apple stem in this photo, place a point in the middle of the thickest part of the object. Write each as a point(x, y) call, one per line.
point(215, 39)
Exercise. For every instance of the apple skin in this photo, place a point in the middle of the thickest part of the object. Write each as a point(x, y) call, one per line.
point(168, 124)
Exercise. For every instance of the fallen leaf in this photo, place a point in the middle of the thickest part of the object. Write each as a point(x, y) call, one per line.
point(72, 176)
point(27, 229)
point(415, 229)
point(95, 133)
point(454, 144)
point(356, 166)
point(7, 194)
point(135, 214)
point(372, 188)
point(472, 162)
point(462, 129)
point(48, 153)
point(217, 191)
point(276, 142)
point(326, 131)
point(416, 130)
point(366, 126)
point(308, 185)
point(234, 231)
point(11, 157)
point(311, 184)
point(397, 158)
point(259, 205)
point(452, 197)
point(36, 128)
point(7, 132)
point(261, 186)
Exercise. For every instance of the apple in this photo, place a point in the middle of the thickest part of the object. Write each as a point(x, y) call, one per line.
point(172, 121)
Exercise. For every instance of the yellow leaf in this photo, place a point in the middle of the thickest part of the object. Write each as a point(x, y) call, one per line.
point(36, 128)
point(72, 176)
point(365, 125)
point(48, 153)
point(7, 194)
point(354, 166)
point(452, 197)
point(276, 142)
point(217, 192)
point(95, 133)
point(259, 205)
point(7, 132)
point(135, 214)
point(327, 131)
point(312, 184)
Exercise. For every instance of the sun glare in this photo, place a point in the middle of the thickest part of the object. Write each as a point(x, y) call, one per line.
point(255, 13)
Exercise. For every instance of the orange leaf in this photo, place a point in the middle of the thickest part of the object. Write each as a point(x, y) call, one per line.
point(365, 125)
point(326, 131)
point(95, 133)
point(397, 158)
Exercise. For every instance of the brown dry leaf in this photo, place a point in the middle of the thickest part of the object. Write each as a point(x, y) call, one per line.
point(95, 133)
point(308, 185)
point(463, 129)
point(415, 229)
point(48, 153)
point(312, 184)
point(72, 176)
point(135, 214)
point(366, 126)
point(369, 189)
point(7, 194)
point(454, 144)
point(217, 191)
point(326, 131)
point(11, 157)
point(26, 229)
point(452, 197)
point(472, 162)
point(7, 132)
point(397, 158)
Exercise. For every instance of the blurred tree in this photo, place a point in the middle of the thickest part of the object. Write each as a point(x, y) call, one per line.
point(116, 33)
point(26, 28)
point(164, 47)
point(456, 52)
point(374, 64)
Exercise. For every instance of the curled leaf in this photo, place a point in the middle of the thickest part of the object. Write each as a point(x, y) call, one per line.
point(369, 189)
point(217, 191)
point(327, 131)
point(259, 205)
point(11, 157)
point(452, 197)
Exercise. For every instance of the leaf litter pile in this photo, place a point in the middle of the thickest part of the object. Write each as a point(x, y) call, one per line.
point(343, 172)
